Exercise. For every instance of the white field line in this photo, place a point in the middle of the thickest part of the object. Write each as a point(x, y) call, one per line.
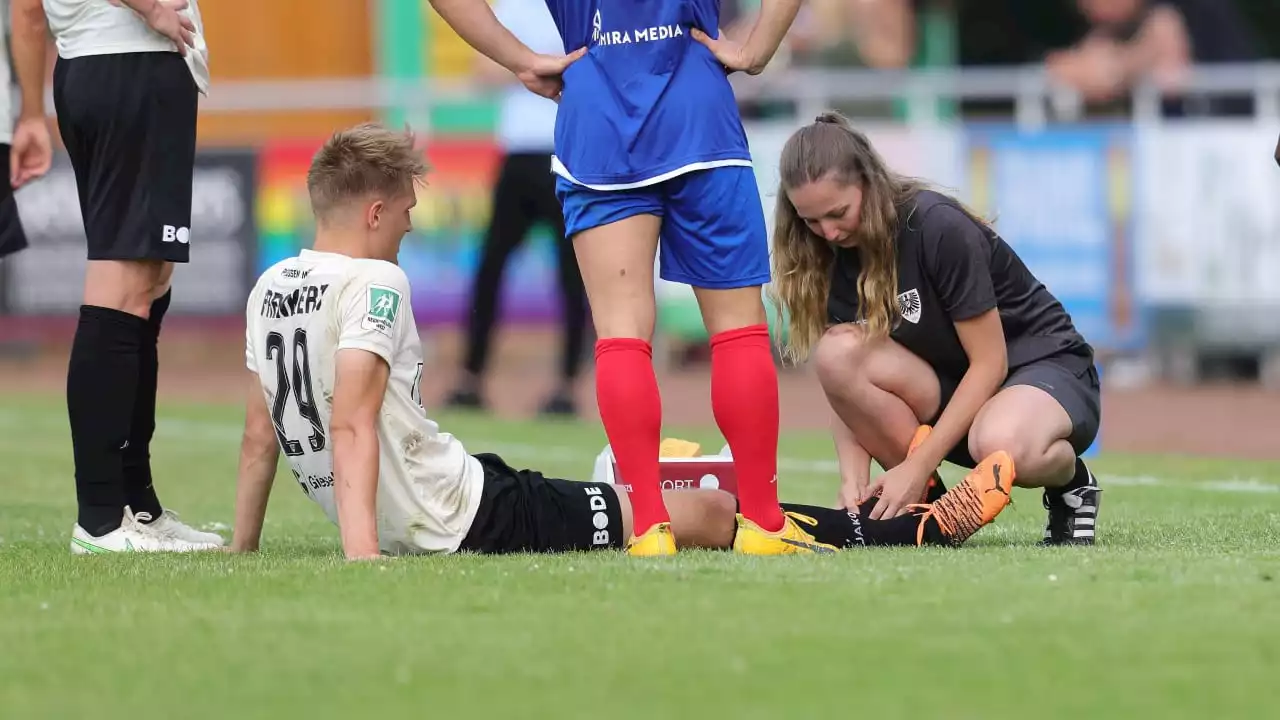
point(172, 428)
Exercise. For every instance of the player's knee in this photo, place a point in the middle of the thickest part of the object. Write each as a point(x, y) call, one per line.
point(730, 309)
point(631, 316)
point(839, 357)
point(126, 285)
point(719, 518)
point(721, 506)
point(609, 328)
point(994, 435)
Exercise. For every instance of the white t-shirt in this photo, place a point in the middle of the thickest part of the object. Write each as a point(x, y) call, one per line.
point(301, 312)
point(96, 27)
point(7, 116)
point(527, 122)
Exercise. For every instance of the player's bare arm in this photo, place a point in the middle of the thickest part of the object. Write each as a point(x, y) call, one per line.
point(31, 153)
point(855, 465)
point(359, 387)
point(475, 22)
point(259, 454)
point(982, 338)
point(752, 56)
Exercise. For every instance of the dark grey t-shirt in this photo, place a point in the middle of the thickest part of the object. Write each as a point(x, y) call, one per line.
point(952, 268)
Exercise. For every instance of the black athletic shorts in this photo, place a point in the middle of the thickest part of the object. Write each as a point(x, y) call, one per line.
point(129, 125)
point(523, 511)
point(12, 237)
point(1070, 379)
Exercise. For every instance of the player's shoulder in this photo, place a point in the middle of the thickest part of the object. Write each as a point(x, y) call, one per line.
point(378, 271)
point(272, 273)
point(932, 208)
point(375, 277)
point(931, 215)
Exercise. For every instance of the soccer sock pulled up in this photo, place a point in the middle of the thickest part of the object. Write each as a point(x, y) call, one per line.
point(744, 399)
point(631, 411)
point(102, 381)
point(140, 493)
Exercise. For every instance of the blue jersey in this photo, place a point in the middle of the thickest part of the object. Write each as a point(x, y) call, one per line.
point(647, 102)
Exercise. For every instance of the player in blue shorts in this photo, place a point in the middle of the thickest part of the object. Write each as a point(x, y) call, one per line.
point(653, 162)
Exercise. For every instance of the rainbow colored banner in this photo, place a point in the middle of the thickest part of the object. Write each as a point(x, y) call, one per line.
point(441, 252)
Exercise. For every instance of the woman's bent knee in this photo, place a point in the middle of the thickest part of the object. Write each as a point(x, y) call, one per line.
point(838, 355)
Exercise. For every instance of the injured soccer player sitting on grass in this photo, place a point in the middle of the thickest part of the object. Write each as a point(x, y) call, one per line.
point(336, 365)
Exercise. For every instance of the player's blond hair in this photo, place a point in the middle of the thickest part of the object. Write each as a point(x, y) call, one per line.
point(363, 161)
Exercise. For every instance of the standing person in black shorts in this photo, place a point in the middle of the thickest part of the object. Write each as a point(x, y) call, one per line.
point(26, 152)
point(525, 194)
point(125, 88)
point(918, 313)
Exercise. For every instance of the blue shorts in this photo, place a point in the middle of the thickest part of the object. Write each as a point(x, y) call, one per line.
point(713, 233)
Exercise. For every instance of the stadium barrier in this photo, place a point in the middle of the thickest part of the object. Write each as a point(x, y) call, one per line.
point(1155, 236)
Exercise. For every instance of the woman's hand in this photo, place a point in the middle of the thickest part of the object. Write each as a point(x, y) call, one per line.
point(733, 55)
point(900, 487)
point(852, 494)
point(545, 73)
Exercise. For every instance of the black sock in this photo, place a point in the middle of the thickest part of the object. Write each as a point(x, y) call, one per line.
point(140, 493)
point(1079, 480)
point(902, 530)
point(102, 380)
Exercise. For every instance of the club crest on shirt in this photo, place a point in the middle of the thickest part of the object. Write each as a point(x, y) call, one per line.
point(909, 306)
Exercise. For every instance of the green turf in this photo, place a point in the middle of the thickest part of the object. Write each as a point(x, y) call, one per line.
point(1176, 613)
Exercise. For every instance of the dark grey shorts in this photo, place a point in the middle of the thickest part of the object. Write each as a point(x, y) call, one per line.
point(1070, 379)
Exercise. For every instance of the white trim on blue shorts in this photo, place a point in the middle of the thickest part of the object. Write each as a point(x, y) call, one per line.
point(558, 168)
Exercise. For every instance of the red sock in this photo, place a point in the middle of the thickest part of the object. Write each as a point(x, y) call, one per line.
point(631, 410)
point(744, 398)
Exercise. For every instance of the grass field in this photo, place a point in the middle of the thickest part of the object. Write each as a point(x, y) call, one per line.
point(1176, 613)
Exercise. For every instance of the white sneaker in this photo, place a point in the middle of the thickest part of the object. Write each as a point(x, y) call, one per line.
point(133, 535)
point(169, 524)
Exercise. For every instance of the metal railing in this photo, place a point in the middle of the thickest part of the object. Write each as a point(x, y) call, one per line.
point(1037, 99)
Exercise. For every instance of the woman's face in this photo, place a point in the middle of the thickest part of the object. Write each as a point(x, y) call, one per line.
point(830, 209)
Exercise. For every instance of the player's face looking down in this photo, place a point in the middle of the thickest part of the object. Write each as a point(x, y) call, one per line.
point(830, 209)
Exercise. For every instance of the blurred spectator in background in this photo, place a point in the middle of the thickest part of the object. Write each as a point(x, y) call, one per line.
point(873, 33)
point(1129, 41)
point(878, 34)
point(25, 148)
point(525, 194)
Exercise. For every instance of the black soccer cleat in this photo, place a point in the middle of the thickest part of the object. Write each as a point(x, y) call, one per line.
point(1073, 514)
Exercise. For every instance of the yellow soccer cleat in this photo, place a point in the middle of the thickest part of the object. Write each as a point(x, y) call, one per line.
point(790, 540)
point(657, 541)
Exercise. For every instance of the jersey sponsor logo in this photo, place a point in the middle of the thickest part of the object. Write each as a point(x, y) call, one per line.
point(299, 301)
point(604, 38)
point(909, 306)
point(180, 235)
point(599, 516)
point(383, 305)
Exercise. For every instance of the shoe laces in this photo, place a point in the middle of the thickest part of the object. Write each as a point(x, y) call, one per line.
point(958, 514)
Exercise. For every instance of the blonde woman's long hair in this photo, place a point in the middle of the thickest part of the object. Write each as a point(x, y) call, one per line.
point(802, 261)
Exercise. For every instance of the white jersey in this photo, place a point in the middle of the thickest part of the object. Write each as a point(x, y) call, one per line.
point(99, 27)
point(301, 312)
